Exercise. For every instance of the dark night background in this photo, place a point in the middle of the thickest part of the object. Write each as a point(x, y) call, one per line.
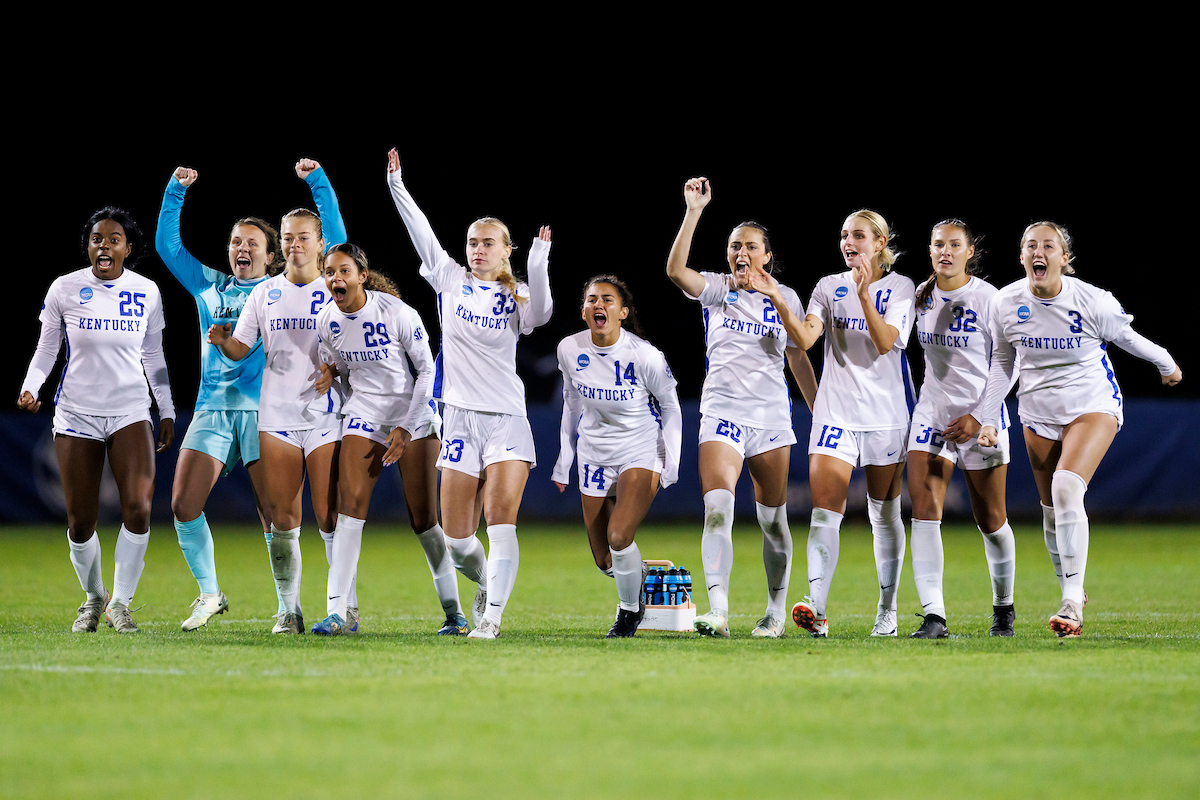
point(605, 168)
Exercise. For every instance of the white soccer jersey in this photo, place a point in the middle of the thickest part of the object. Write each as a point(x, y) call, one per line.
point(953, 329)
point(284, 316)
point(621, 402)
point(745, 343)
point(476, 367)
point(1061, 345)
point(383, 350)
point(106, 325)
point(860, 389)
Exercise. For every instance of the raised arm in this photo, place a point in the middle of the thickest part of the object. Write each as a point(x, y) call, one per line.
point(168, 237)
point(697, 193)
point(420, 231)
point(541, 302)
point(333, 227)
point(233, 349)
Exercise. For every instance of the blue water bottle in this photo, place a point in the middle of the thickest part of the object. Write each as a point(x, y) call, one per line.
point(685, 580)
point(648, 589)
point(672, 588)
point(658, 586)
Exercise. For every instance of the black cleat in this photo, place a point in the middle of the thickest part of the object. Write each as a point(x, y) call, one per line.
point(626, 625)
point(934, 627)
point(1003, 618)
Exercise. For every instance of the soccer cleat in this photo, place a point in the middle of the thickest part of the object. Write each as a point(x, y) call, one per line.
point(455, 625)
point(885, 623)
point(351, 621)
point(486, 630)
point(204, 608)
point(714, 623)
point(89, 615)
point(934, 627)
point(769, 627)
point(626, 625)
point(1003, 618)
point(1068, 622)
point(480, 607)
point(333, 625)
point(804, 614)
point(119, 617)
point(287, 622)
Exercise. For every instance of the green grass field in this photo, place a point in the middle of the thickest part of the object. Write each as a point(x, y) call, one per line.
point(552, 709)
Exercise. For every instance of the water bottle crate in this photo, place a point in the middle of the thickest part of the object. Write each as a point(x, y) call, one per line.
point(677, 616)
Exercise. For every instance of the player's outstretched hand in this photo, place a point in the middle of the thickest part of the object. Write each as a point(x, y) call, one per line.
point(219, 334)
point(1174, 378)
point(27, 402)
point(961, 430)
point(393, 160)
point(697, 193)
point(398, 441)
point(305, 167)
point(185, 176)
point(166, 434)
point(762, 281)
point(544, 234)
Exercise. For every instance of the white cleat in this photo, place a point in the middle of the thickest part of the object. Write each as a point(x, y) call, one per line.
point(768, 627)
point(119, 617)
point(486, 630)
point(480, 607)
point(89, 615)
point(885, 623)
point(804, 614)
point(204, 608)
point(288, 622)
point(714, 623)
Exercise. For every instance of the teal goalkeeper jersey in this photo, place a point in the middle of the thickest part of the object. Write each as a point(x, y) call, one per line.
point(227, 385)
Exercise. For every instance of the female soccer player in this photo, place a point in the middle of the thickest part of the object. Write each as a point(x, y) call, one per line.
point(224, 425)
point(298, 429)
point(952, 327)
point(862, 412)
point(745, 409)
point(487, 445)
point(1068, 398)
point(378, 342)
point(619, 400)
point(111, 320)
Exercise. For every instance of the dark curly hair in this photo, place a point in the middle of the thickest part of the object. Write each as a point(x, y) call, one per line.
point(133, 234)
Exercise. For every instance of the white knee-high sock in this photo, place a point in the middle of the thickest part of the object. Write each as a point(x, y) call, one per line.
point(441, 567)
point(347, 547)
point(928, 560)
point(627, 569)
point(887, 531)
point(85, 558)
point(469, 558)
point(130, 559)
point(352, 595)
point(824, 539)
point(1050, 533)
point(1071, 524)
point(504, 559)
point(716, 547)
point(286, 567)
point(1000, 548)
point(777, 555)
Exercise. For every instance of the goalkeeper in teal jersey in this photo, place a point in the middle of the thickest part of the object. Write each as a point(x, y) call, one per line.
point(224, 426)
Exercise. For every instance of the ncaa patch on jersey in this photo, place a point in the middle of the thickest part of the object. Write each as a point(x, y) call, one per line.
point(731, 297)
point(467, 290)
point(583, 360)
point(840, 292)
point(274, 295)
point(1023, 314)
point(334, 328)
point(85, 294)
